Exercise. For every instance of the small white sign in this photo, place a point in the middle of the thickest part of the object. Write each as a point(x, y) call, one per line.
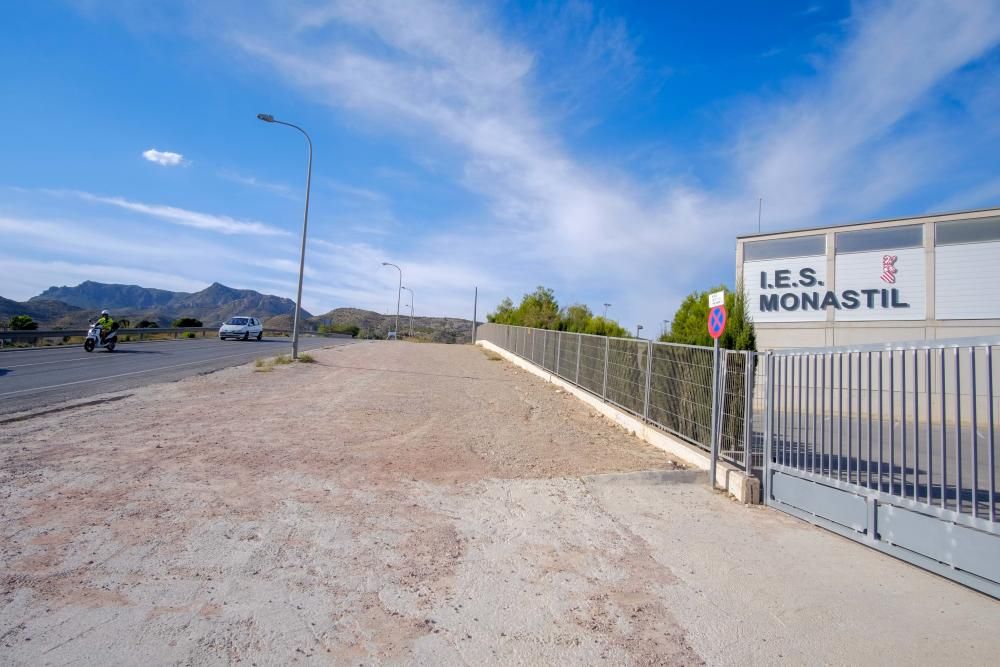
point(716, 299)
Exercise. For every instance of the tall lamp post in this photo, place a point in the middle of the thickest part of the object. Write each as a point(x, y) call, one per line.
point(398, 292)
point(268, 118)
point(411, 309)
point(638, 328)
point(606, 306)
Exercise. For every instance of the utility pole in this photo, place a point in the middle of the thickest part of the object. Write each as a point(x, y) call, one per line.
point(760, 205)
point(606, 306)
point(475, 309)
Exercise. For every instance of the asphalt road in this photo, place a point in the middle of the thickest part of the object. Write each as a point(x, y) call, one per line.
point(37, 378)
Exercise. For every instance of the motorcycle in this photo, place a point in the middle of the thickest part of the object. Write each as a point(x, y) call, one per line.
point(94, 338)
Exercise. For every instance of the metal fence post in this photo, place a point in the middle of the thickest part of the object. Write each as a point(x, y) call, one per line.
point(649, 372)
point(748, 380)
point(768, 423)
point(558, 349)
point(604, 386)
point(579, 344)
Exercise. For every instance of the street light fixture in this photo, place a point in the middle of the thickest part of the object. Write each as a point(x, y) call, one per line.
point(638, 328)
point(398, 292)
point(268, 118)
point(411, 308)
point(606, 306)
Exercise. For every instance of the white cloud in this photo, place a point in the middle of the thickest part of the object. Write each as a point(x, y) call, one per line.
point(164, 158)
point(179, 216)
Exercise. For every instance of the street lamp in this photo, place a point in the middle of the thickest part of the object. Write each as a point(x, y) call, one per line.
point(398, 291)
point(606, 306)
point(268, 118)
point(411, 309)
point(638, 328)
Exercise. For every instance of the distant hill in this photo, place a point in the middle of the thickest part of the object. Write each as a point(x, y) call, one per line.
point(374, 325)
point(71, 307)
point(96, 296)
point(42, 311)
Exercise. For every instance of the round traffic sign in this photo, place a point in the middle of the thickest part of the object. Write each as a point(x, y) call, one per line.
point(716, 321)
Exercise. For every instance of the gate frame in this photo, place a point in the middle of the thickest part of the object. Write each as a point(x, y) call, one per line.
point(868, 532)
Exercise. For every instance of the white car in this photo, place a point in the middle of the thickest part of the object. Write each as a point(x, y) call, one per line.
point(241, 327)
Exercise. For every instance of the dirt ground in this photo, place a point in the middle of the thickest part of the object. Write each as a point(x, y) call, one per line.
point(391, 503)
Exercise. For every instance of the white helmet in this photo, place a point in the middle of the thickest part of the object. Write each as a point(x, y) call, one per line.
point(105, 312)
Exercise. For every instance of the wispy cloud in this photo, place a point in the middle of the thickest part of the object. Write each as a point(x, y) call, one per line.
point(164, 158)
point(279, 189)
point(180, 216)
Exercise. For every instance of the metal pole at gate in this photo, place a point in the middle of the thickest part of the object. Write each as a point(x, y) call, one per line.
point(715, 412)
point(716, 325)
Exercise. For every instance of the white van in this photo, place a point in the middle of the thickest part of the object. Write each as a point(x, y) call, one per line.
point(241, 327)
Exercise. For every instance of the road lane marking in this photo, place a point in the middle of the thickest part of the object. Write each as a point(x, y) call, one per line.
point(120, 375)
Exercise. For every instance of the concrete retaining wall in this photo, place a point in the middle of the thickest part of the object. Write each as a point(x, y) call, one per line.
point(744, 488)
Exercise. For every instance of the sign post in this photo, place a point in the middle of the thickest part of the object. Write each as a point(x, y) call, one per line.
point(716, 325)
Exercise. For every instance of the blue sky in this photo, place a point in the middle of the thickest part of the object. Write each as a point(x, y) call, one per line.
point(611, 151)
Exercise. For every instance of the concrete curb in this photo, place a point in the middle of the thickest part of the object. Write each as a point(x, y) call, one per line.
point(744, 488)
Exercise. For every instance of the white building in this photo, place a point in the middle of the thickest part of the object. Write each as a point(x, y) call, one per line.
point(928, 277)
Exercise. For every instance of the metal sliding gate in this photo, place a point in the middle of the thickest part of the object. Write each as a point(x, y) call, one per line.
point(894, 446)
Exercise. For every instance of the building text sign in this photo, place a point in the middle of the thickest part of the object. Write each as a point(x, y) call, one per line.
point(866, 286)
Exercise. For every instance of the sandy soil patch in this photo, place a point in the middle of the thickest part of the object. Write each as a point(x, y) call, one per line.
point(391, 503)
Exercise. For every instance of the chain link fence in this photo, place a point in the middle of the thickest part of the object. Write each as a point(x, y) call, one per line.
point(665, 384)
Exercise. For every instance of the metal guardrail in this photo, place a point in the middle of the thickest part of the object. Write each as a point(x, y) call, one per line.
point(41, 334)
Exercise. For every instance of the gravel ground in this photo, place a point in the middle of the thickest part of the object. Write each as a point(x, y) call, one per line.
point(391, 503)
point(399, 503)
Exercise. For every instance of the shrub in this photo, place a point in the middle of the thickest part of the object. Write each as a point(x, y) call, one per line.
point(282, 359)
point(23, 323)
point(187, 322)
point(351, 329)
point(307, 358)
point(147, 324)
point(190, 334)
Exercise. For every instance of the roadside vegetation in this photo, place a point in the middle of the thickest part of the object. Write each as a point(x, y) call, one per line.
point(540, 310)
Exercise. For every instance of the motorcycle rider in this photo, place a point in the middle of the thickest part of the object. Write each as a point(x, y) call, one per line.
point(105, 322)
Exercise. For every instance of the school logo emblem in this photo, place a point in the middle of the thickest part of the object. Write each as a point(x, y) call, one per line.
point(889, 269)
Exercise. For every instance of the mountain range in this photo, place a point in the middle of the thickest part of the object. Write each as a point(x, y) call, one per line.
point(71, 308)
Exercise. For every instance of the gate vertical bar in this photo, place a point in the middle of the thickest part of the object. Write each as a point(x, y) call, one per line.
point(840, 416)
point(800, 433)
point(916, 426)
point(892, 422)
point(991, 457)
point(649, 370)
point(881, 419)
point(815, 394)
point(974, 435)
point(769, 404)
point(902, 422)
point(850, 415)
point(871, 391)
point(958, 434)
point(944, 433)
point(929, 433)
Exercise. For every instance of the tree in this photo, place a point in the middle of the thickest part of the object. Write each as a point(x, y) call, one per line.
point(600, 326)
point(146, 324)
point(539, 310)
point(690, 322)
point(504, 313)
point(23, 323)
point(187, 322)
point(575, 318)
